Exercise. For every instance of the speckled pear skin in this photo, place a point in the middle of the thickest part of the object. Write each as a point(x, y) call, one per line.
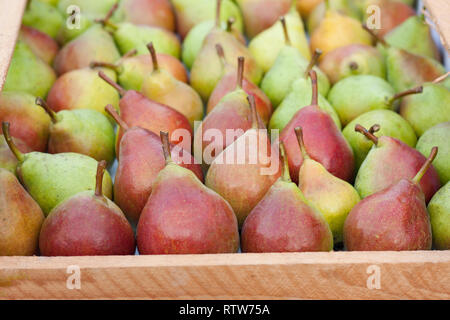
point(21, 218)
point(86, 225)
point(283, 221)
point(50, 179)
point(389, 162)
point(83, 131)
point(439, 209)
point(182, 216)
point(28, 122)
point(393, 219)
point(141, 159)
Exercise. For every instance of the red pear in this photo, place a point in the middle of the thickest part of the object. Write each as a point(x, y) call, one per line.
point(157, 13)
point(42, 45)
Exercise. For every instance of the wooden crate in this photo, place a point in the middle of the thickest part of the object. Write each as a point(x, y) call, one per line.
point(333, 275)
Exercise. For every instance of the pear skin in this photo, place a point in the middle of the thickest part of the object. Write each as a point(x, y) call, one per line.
point(40, 43)
point(8, 160)
point(439, 209)
point(43, 17)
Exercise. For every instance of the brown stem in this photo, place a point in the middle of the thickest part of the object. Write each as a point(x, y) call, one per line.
point(405, 93)
point(284, 162)
point(426, 165)
point(101, 166)
point(121, 90)
point(313, 61)
point(374, 128)
point(375, 36)
point(221, 54)
point(152, 50)
point(240, 72)
point(315, 91)
point(285, 31)
point(301, 142)
point(40, 102)
point(230, 23)
point(359, 128)
point(218, 7)
point(441, 78)
point(251, 101)
point(113, 113)
point(10, 142)
point(165, 146)
point(105, 21)
point(95, 64)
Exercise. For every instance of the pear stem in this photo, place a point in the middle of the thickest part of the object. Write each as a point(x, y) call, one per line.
point(285, 30)
point(118, 119)
point(375, 36)
point(221, 54)
point(286, 176)
point(313, 61)
point(218, 5)
point(165, 146)
point(405, 93)
point(11, 145)
point(369, 135)
point(95, 64)
point(441, 78)
point(105, 21)
point(315, 91)
point(40, 102)
point(301, 142)
point(374, 128)
point(230, 23)
point(101, 166)
point(152, 51)
point(240, 72)
point(251, 101)
point(121, 90)
point(426, 165)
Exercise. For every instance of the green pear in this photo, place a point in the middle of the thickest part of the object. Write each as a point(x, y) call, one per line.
point(414, 36)
point(94, 9)
point(359, 94)
point(83, 131)
point(52, 178)
point(425, 110)
point(300, 96)
point(334, 197)
point(439, 209)
point(73, 28)
point(43, 17)
point(438, 136)
point(389, 123)
point(28, 73)
point(267, 45)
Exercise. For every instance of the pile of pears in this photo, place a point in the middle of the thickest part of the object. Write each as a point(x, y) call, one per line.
point(221, 126)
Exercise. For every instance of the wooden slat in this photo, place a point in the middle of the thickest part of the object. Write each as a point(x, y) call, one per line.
point(336, 275)
point(10, 19)
point(440, 14)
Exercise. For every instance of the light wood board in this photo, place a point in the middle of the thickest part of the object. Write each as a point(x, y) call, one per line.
point(440, 14)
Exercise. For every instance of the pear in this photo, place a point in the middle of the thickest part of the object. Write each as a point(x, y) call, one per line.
point(337, 30)
point(82, 131)
point(95, 44)
point(323, 139)
point(259, 15)
point(390, 161)
point(132, 69)
point(162, 87)
point(357, 95)
point(207, 68)
point(193, 42)
point(333, 197)
point(94, 9)
point(305, 7)
point(427, 109)
point(75, 26)
point(87, 224)
point(137, 110)
point(42, 45)
point(82, 89)
point(140, 160)
point(437, 136)
point(288, 67)
point(439, 209)
point(43, 17)
point(267, 45)
point(354, 59)
point(299, 96)
point(28, 73)
point(191, 12)
point(231, 80)
point(28, 123)
point(8, 160)
point(284, 221)
point(243, 179)
point(21, 218)
point(392, 219)
point(385, 123)
point(182, 216)
point(414, 36)
point(51, 179)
